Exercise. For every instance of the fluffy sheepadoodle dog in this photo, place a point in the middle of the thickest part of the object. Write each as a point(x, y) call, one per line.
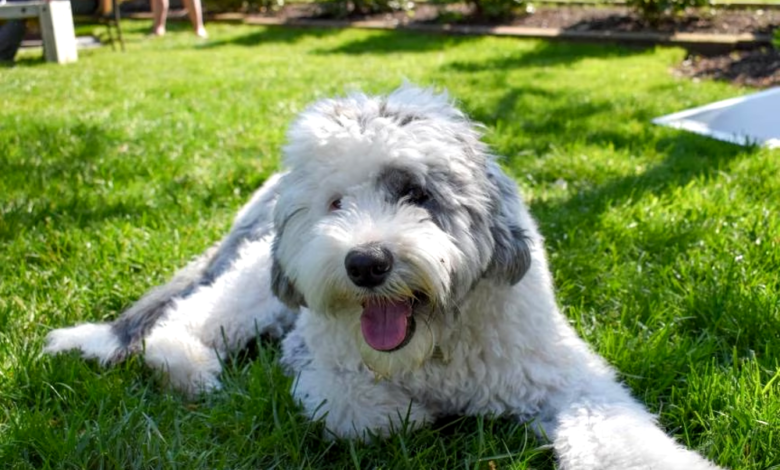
point(407, 280)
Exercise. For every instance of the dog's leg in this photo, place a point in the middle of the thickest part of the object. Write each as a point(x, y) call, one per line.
point(600, 427)
point(188, 307)
point(111, 342)
point(197, 332)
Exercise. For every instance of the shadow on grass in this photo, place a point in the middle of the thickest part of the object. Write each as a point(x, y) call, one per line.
point(61, 166)
point(687, 157)
point(549, 54)
point(144, 27)
point(79, 176)
point(390, 42)
point(549, 114)
point(273, 34)
point(27, 59)
point(548, 117)
point(79, 146)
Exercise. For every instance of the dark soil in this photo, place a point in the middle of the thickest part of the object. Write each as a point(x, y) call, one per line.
point(577, 18)
point(623, 19)
point(759, 68)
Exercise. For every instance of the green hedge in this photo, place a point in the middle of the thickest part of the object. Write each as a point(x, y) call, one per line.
point(487, 9)
point(250, 6)
point(495, 9)
point(343, 8)
point(653, 11)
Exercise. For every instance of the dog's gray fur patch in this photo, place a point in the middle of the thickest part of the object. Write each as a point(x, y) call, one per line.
point(136, 322)
point(511, 253)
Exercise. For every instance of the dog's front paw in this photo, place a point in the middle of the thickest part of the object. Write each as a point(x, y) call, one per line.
point(94, 340)
point(193, 382)
point(189, 365)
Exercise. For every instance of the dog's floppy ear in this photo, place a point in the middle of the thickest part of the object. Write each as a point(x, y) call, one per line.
point(511, 253)
point(282, 286)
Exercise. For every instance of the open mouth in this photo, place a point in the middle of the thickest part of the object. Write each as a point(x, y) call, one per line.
point(388, 325)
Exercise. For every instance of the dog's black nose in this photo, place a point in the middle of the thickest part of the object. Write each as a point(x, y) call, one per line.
point(369, 265)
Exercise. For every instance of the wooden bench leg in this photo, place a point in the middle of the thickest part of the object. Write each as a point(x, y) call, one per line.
point(59, 37)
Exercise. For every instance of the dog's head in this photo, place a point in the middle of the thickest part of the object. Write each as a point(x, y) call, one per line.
point(391, 213)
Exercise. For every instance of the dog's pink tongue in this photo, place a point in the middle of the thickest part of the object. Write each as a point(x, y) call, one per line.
point(384, 323)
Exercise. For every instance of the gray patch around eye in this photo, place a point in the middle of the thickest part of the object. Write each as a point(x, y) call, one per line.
point(441, 190)
point(394, 181)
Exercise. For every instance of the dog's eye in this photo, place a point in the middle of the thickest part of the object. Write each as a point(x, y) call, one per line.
point(335, 205)
point(416, 195)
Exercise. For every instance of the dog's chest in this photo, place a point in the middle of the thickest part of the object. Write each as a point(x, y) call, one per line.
point(486, 366)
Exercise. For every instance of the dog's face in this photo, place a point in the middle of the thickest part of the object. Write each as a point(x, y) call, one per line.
point(392, 211)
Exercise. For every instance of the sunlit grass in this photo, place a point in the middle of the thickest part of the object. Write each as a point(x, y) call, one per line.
point(119, 168)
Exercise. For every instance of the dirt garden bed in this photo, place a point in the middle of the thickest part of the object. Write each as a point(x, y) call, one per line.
point(759, 68)
point(756, 65)
point(574, 18)
point(730, 44)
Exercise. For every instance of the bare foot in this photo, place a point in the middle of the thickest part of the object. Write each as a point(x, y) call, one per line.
point(158, 31)
point(201, 33)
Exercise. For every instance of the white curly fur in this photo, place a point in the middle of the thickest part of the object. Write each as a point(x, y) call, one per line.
point(490, 339)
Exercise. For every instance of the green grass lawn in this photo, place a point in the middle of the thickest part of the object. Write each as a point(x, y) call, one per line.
point(665, 246)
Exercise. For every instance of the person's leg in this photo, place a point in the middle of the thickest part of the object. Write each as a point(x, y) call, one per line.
point(195, 12)
point(160, 14)
point(11, 35)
